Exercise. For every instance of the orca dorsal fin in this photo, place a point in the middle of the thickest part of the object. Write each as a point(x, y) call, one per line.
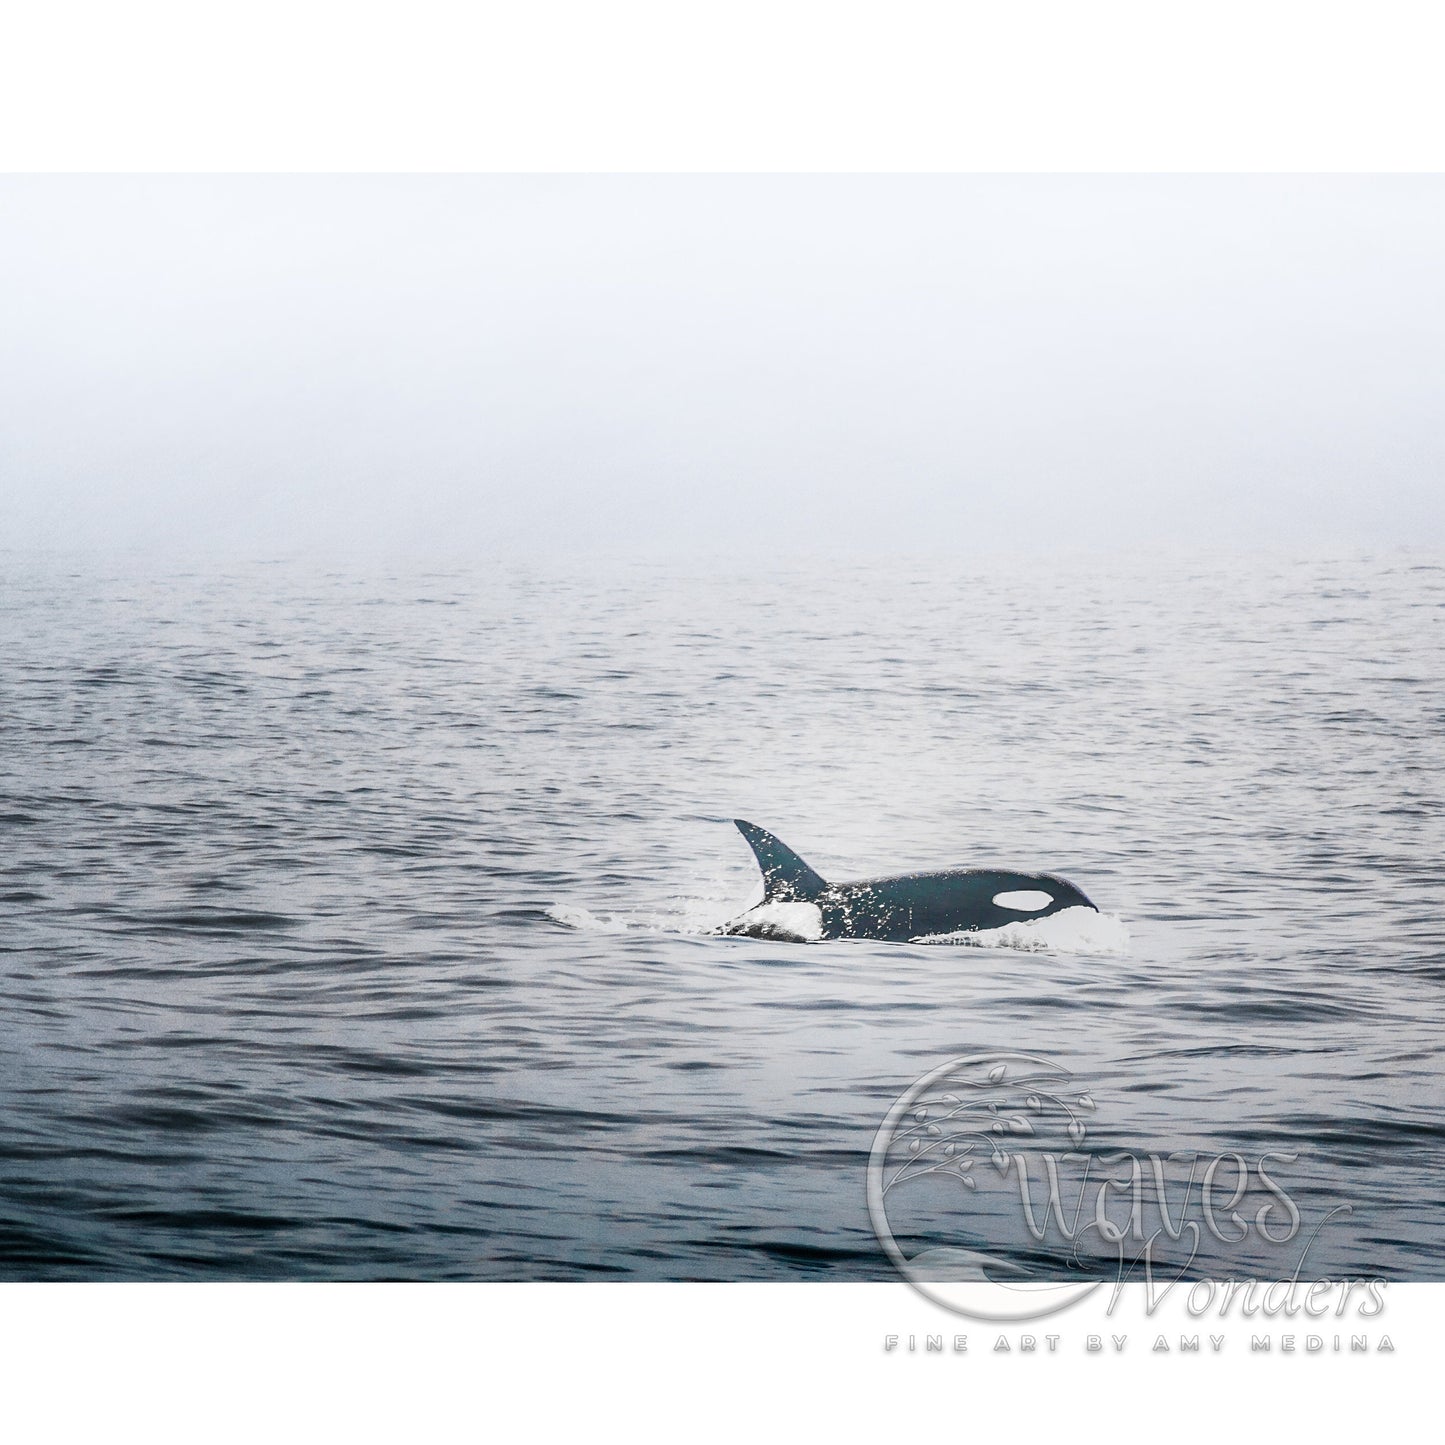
point(786, 878)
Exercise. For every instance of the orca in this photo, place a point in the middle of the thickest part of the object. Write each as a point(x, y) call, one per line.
point(800, 906)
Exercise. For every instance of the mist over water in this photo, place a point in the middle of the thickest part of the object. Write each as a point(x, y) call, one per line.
point(352, 921)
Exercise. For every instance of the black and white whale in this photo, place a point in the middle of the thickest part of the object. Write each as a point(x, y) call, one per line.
point(799, 906)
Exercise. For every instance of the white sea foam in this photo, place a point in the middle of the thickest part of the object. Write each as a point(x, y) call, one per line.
point(1071, 930)
point(679, 915)
point(583, 919)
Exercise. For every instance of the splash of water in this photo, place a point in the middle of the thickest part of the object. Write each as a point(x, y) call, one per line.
point(1071, 930)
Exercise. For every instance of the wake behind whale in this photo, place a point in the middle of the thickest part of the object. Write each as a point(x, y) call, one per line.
point(956, 905)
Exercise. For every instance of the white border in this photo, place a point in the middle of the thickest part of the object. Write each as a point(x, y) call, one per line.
point(665, 1362)
point(770, 85)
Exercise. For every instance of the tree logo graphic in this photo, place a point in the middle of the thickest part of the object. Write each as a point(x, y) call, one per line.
point(966, 1117)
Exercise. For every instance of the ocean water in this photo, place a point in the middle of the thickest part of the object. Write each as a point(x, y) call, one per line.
point(353, 920)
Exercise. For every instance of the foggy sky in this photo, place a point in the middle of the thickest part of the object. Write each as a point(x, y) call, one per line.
point(756, 365)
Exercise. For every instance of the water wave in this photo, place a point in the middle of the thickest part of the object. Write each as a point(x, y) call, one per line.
point(1071, 930)
point(389, 964)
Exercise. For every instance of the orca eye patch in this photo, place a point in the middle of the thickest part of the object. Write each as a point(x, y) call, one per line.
point(1026, 900)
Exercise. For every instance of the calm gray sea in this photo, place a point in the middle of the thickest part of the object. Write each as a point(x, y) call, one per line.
point(353, 917)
